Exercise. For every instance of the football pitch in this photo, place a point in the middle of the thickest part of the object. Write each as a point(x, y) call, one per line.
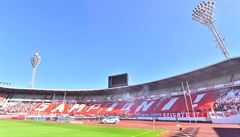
point(18, 128)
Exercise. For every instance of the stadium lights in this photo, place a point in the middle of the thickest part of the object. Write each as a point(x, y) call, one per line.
point(204, 13)
point(35, 60)
point(6, 84)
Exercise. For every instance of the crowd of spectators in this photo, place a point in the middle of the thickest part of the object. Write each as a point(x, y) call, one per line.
point(228, 100)
point(17, 107)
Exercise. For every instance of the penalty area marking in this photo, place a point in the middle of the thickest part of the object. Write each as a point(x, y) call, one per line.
point(143, 133)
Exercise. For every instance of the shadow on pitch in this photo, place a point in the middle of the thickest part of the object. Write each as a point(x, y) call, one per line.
point(228, 132)
point(187, 132)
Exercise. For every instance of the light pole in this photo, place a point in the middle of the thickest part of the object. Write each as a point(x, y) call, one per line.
point(204, 13)
point(35, 60)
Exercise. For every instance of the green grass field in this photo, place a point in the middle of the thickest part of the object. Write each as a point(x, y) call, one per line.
point(15, 128)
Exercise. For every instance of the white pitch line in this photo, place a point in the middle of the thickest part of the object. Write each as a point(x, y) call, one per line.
point(142, 133)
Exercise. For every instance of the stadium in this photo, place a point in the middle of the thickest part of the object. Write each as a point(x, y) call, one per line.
point(214, 98)
point(200, 103)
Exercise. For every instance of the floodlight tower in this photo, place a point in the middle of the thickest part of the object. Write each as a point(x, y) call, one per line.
point(204, 13)
point(35, 60)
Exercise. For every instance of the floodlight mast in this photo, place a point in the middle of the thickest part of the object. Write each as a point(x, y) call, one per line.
point(35, 60)
point(204, 13)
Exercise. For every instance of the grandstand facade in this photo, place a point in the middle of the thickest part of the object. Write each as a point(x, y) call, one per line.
point(214, 93)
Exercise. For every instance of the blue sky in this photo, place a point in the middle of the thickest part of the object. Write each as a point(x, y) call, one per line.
point(82, 42)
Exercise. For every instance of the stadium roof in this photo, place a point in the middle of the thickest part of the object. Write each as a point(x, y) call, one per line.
point(220, 69)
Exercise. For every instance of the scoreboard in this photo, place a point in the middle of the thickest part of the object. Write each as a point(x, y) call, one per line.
point(118, 80)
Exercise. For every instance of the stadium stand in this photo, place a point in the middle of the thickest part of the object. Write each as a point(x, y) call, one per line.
point(174, 104)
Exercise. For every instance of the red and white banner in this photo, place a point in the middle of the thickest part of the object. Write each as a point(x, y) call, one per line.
point(168, 107)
